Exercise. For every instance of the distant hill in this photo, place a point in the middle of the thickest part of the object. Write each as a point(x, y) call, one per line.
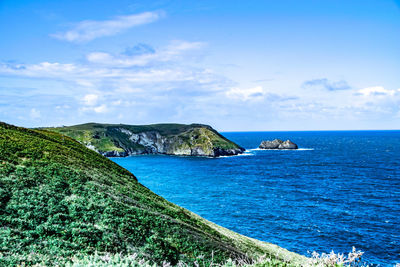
point(60, 201)
point(173, 139)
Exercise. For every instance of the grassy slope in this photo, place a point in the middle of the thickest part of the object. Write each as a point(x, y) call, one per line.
point(105, 138)
point(59, 200)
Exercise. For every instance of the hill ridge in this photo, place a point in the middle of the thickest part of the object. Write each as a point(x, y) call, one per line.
point(61, 200)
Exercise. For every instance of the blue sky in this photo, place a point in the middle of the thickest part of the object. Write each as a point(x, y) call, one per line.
point(236, 65)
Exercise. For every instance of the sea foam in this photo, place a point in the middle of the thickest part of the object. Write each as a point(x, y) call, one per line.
point(299, 149)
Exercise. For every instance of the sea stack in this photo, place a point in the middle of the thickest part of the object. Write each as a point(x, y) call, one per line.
point(278, 144)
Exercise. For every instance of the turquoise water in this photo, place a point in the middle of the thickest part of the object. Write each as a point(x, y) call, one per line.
point(341, 189)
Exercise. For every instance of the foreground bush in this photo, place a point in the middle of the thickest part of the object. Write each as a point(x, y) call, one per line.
point(134, 260)
point(353, 258)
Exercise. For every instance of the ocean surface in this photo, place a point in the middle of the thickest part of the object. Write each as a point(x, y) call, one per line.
point(340, 189)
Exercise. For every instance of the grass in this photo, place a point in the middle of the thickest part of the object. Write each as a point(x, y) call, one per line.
point(60, 200)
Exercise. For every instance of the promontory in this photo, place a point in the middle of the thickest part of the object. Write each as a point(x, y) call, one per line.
point(119, 140)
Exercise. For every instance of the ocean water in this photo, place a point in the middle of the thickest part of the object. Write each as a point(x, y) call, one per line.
point(341, 189)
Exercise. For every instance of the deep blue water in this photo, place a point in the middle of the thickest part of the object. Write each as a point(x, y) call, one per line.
point(342, 191)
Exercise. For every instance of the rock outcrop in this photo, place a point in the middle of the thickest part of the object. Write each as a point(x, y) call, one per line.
point(278, 144)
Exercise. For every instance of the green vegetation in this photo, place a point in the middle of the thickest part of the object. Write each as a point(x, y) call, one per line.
point(179, 139)
point(133, 260)
point(87, 135)
point(63, 203)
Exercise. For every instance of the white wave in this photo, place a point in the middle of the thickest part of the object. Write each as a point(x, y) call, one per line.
point(246, 153)
point(254, 149)
point(299, 149)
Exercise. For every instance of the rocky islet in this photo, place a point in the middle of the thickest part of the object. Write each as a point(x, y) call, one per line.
point(278, 144)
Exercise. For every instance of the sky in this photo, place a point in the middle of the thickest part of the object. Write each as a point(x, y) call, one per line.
point(235, 65)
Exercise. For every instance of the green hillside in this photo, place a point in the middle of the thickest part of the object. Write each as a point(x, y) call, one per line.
point(60, 201)
point(173, 139)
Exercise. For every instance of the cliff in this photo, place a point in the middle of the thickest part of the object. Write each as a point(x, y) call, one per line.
point(172, 139)
point(60, 202)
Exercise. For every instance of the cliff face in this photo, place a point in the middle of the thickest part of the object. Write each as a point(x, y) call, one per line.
point(171, 139)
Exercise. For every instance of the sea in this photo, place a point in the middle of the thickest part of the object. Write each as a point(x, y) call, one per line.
point(338, 190)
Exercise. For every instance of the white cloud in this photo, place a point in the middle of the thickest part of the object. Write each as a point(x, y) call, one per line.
point(377, 91)
point(43, 69)
point(149, 82)
point(99, 57)
point(116, 102)
point(118, 69)
point(34, 114)
point(88, 75)
point(246, 93)
point(326, 84)
point(63, 107)
point(100, 109)
point(174, 51)
point(83, 82)
point(92, 103)
point(90, 99)
point(88, 30)
point(103, 108)
point(168, 84)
